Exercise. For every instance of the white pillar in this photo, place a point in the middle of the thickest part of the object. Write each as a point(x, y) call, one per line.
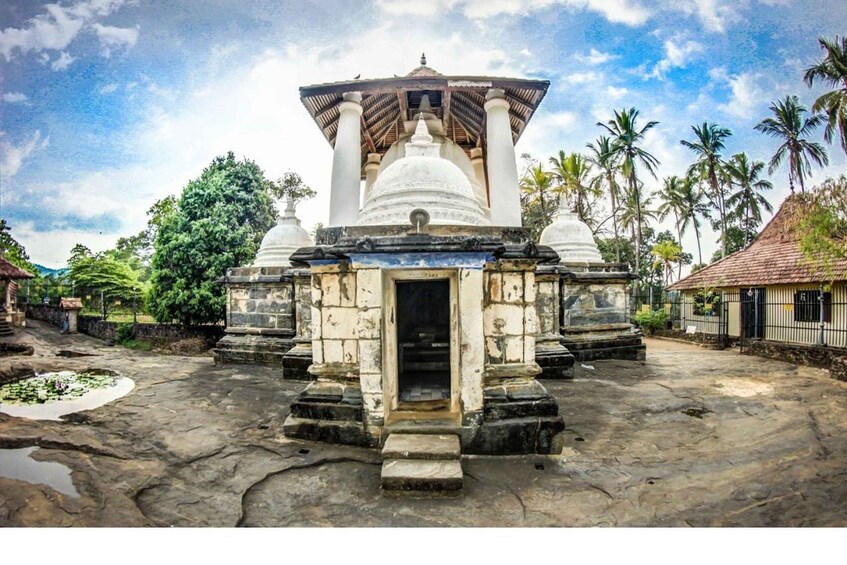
point(502, 167)
point(346, 163)
point(371, 169)
point(478, 166)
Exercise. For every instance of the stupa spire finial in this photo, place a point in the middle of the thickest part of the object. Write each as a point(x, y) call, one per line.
point(421, 135)
point(423, 58)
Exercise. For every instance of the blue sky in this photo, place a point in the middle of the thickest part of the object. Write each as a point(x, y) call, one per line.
point(109, 105)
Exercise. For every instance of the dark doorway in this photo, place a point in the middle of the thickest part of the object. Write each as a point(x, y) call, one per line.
point(753, 313)
point(423, 345)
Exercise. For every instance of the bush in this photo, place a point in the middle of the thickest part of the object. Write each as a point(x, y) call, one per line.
point(652, 321)
point(125, 332)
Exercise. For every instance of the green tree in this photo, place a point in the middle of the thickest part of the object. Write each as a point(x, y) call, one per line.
point(832, 71)
point(537, 198)
point(606, 164)
point(748, 201)
point(571, 172)
point(666, 253)
point(290, 187)
point(219, 223)
point(692, 208)
point(14, 252)
point(625, 148)
point(672, 203)
point(111, 277)
point(736, 240)
point(707, 145)
point(789, 125)
point(822, 227)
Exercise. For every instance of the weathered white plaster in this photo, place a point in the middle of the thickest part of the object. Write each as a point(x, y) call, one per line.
point(346, 163)
point(502, 167)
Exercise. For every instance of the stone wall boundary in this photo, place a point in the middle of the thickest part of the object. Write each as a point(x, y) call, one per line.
point(158, 334)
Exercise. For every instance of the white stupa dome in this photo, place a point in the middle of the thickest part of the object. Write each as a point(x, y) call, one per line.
point(422, 179)
point(282, 240)
point(571, 238)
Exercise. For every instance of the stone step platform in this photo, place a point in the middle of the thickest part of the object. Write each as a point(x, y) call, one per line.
point(424, 464)
point(422, 446)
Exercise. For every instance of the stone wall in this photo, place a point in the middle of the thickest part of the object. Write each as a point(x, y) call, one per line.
point(799, 354)
point(699, 337)
point(838, 368)
point(510, 320)
point(158, 334)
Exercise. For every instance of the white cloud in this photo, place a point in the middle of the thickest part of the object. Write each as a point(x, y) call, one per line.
point(583, 78)
point(107, 88)
point(715, 15)
point(678, 54)
point(56, 29)
point(629, 12)
point(616, 93)
point(62, 62)
point(111, 37)
point(747, 95)
point(12, 157)
point(14, 97)
point(596, 57)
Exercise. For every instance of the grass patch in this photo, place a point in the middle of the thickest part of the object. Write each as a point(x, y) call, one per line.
point(137, 344)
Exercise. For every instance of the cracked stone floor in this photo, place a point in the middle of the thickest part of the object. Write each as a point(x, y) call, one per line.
point(688, 438)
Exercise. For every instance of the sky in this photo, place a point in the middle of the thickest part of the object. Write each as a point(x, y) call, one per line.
point(109, 105)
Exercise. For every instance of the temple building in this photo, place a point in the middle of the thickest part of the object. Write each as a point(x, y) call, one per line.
point(424, 314)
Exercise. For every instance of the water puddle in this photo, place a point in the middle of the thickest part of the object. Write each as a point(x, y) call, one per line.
point(17, 464)
point(50, 396)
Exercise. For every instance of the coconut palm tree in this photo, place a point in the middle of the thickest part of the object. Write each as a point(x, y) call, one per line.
point(832, 70)
point(625, 147)
point(672, 203)
point(537, 186)
point(788, 125)
point(571, 172)
point(666, 252)
point(606, 165)
point(748, 201)
point(707, 145)
point(692, 205)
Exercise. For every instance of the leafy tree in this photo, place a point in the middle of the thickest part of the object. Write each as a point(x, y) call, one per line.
point(707, 145)
point(571, 172)
point(748, 201)
point(693, 206)
point(832, 70)
point(537, 198)
point(822, 227)
point(736, 240)
point(290, 187)
point(666, 253)
point(14, 252)
point(625, 148)
point(789, 125)
point(606, 164)
point(671, 196)
point(218, 223)
point(114, 278)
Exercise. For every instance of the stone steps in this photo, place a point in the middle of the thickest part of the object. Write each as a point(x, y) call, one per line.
point(422, 464)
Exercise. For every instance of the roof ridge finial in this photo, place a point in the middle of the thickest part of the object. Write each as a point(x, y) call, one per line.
point(423, 59)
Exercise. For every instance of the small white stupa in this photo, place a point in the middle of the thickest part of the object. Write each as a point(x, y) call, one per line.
point(422, 179)
point(570, 238)
point(282, 240)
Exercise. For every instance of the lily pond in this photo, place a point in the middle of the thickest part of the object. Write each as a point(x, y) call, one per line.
point(48, 396)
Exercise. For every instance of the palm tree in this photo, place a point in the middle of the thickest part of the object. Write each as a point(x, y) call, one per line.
point(626, 138)
point(672, 203)
point(666, 252)
point(607, 166)
point(537, 186)
point(832, 70)
point(748, 201)
point(708, 145)
point(788, 125)
point(571, 172)
point(692, 205)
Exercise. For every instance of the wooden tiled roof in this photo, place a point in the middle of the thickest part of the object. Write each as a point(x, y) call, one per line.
point(9, 271)
point(389, 102)
point(774, 257)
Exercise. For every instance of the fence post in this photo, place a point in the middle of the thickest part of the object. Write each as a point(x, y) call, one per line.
point(102, 307)
point(821, 339)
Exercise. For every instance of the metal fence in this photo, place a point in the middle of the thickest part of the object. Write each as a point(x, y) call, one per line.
point(95, 301)
point(789, 315)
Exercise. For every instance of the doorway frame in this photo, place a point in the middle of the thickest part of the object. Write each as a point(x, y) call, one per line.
point(390, 345)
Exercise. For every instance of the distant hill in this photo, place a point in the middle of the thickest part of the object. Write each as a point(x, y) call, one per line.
point(47, 271)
